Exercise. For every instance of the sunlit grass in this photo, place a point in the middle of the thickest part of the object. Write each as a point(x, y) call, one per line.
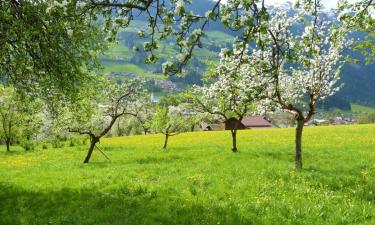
point(198, 180)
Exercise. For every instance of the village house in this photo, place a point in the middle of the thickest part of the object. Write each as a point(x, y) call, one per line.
point(249, 122)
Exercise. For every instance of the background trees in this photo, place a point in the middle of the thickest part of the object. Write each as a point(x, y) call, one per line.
point(145, 110)
point(19, 116)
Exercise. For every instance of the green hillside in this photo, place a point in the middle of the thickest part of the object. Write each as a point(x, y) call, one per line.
point(198, 180)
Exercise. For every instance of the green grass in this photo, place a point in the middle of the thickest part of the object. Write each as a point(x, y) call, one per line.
point(119, 51)
point(362, 109)
point(198, 180)
point(119, 66)
point(219, 35)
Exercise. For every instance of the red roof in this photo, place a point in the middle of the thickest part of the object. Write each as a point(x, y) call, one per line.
point(255, 121)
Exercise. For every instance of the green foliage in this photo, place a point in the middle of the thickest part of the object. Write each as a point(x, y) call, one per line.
point(47, 50)
point(196, 181)
point(366, 118)
point(20, 118)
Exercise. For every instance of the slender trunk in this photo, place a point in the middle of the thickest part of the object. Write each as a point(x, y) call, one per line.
point(166, 141)
point(93, 142)
point(192, 128)
point(234, 139)
point(298, 156)
point(119, 133)
point(7, 142)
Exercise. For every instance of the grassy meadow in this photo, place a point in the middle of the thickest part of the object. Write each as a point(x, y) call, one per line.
point(197, 180)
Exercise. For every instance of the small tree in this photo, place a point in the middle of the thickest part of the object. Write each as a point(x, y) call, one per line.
point(170, 121)
point(234, 90)
point(145, 110)
point(18, 116)
point(117, 101)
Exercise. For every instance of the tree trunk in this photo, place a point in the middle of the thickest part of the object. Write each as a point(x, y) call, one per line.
point(234, 139)
point(166, 141)
point(298, 156)
point(7, 142)
point(93, 142)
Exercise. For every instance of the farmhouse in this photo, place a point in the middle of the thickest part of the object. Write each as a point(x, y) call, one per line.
point(250, 122)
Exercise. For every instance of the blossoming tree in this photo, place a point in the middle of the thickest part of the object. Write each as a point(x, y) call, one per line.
point(175, 19)
point(303, 68)
point(235, 89)
point(117, 100)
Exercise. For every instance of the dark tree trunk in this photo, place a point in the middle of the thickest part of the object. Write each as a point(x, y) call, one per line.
point(192, 128)
point(7, 142)
point(93, 142)
point(119, 131)
point(298, 156)
point(166, 141)
point(234, 140)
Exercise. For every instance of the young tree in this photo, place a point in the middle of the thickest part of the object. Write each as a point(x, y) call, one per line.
point(145, 110)
point(234, 91)
point(302, 68)
point(117, 101)
point(169, 120)
point(18, 116)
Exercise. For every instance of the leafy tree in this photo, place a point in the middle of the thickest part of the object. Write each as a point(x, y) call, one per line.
point(169, 120)
point(367, 118)
point(234, 91)
point(19, 117)
point(358, 16)
point(47, 50)
point(145, 110)
point(117, 101)
point(302, 68)
point(171, 18)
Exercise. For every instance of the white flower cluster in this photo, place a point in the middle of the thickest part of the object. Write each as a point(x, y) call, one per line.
point(314, 72)
point(238, 85)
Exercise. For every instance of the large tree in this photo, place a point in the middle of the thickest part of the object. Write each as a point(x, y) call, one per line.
point(174, 18)
point(302, 68)
point(46, 49)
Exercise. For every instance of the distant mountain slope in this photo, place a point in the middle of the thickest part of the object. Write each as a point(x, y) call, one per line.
point(358, 79)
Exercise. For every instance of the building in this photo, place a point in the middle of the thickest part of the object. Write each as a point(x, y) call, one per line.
point(250, 122)
point(256, 122)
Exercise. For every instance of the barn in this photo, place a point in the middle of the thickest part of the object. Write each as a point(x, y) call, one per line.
point(249, 122)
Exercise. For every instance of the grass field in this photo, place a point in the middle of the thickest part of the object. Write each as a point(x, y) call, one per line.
point(198, 180)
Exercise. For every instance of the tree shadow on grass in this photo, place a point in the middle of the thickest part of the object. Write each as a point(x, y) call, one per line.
point(121, 206)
